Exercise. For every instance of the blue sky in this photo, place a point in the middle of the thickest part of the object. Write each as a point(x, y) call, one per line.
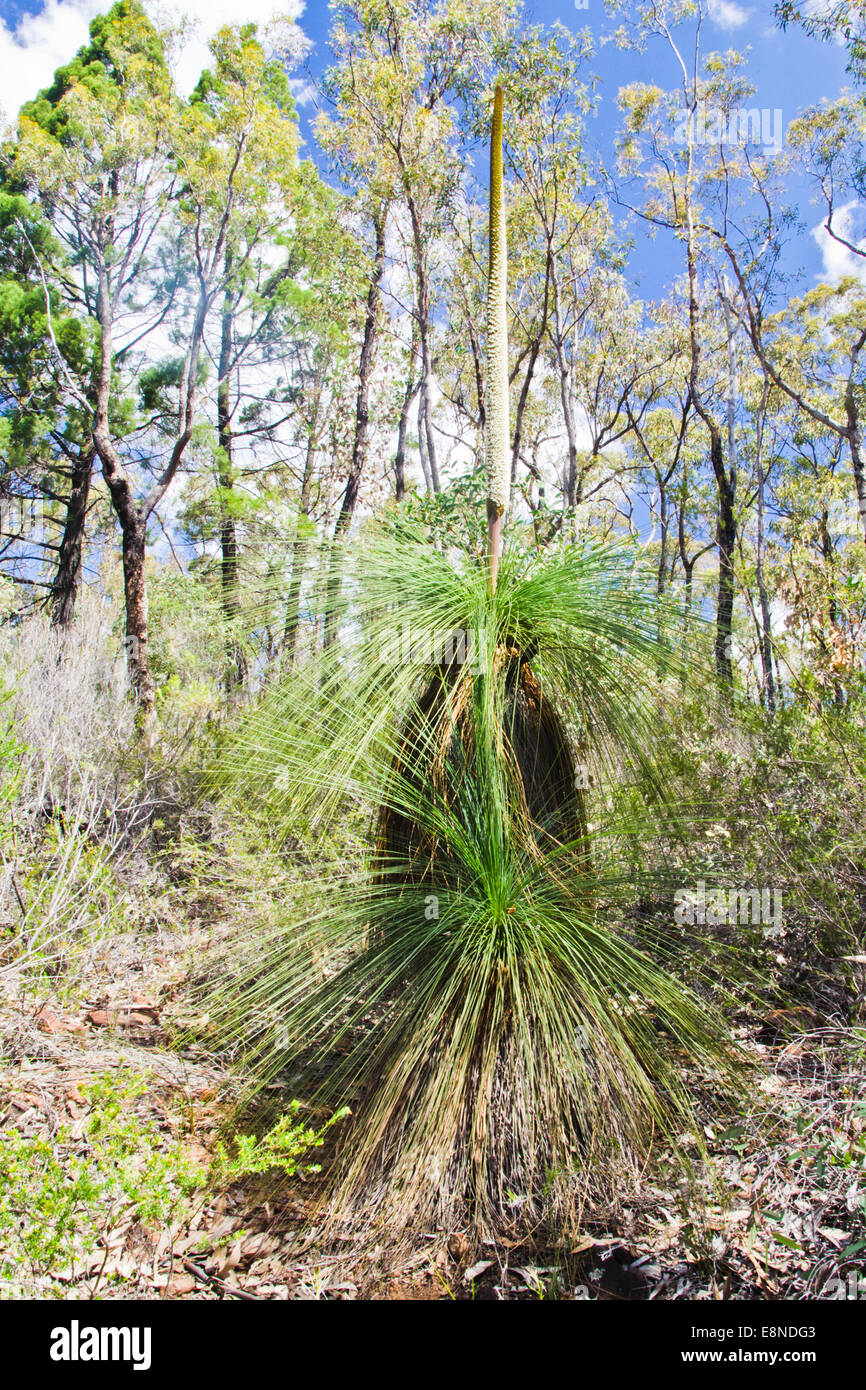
point(788, 70)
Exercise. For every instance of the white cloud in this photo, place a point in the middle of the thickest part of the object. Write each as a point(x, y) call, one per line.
point(837, 259)
point(207, 16)
point(727, 15)
point(44, 41)
point(302, 90)
point(41, 43)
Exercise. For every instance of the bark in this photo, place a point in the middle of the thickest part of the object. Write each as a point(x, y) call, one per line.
point(832, 612)
point(855, 443)
point(726, 482)
point(236, 672)
point(67, 579)
point(663, 537)
point(688, 562)
point(300, 548)
point(135, 594)
point(409, 395)
point(424, 338)
point(131, 514)
point(726, 539)
point(564, 375)
point(766, 633)
point(360, 443)
point(422, 447)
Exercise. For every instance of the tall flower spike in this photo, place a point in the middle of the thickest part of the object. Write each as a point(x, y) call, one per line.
point(497, 427)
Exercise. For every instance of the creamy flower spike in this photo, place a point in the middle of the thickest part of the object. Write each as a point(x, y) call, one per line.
point(497, 436)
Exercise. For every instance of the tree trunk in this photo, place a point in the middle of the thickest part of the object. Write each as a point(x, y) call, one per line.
point(726, 483)
point(663, 537)
point(236, 672)
point(570, 480)
point(135, 593)
point(424, 337)
point(726, 529)
point(534, 352)
point(408, 398)
point(766, 639)
point(726, 539)
point(422, 447)
point(362, 424)
point(299, 558)
point(133, 524)
point(67, 579)
point(858, 463)
point(131, 515)
point(832, 612)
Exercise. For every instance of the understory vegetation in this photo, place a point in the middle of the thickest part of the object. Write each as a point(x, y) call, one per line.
point(163, 938)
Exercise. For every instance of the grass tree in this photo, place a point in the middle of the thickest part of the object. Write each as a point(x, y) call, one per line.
point(475, 977)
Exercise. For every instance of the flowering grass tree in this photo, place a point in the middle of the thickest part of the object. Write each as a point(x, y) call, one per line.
point(478, 983)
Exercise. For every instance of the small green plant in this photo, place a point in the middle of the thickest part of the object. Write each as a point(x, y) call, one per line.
point(60, 1198)
point(283, 1147)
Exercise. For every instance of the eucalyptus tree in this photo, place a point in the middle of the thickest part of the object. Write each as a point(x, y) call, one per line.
point(550, 96)
point(814, 352)
point(659, 441)
point(810, 349)
point(319, 366)
point(391, 134)
point(837, 21)
point(536, 423)
point(762, 450)
point(813, 560)
point(825, 144)
point(399, 68)
point(569, 318)
point(261, 257)
point(693, 155)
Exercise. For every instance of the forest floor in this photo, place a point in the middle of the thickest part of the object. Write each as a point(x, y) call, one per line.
point(96, 1086)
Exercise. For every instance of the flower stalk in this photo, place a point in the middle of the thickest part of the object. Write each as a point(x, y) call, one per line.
point(497, 432)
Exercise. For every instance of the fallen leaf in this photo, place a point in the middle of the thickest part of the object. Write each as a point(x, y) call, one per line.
point(180, 1284)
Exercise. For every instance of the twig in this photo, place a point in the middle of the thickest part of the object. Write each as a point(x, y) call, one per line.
point(219, 1283)
point(60, 359)
point(18, 896)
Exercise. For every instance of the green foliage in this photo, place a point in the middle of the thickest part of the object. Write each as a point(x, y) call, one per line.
point(282, 1148)
point(125, 33)
point(509, 1021)
point(11, 750)
point(60, 1198)
point(840, 21)
point(455, 516)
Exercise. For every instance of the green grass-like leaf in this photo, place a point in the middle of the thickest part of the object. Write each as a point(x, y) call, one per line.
point(480, 984)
